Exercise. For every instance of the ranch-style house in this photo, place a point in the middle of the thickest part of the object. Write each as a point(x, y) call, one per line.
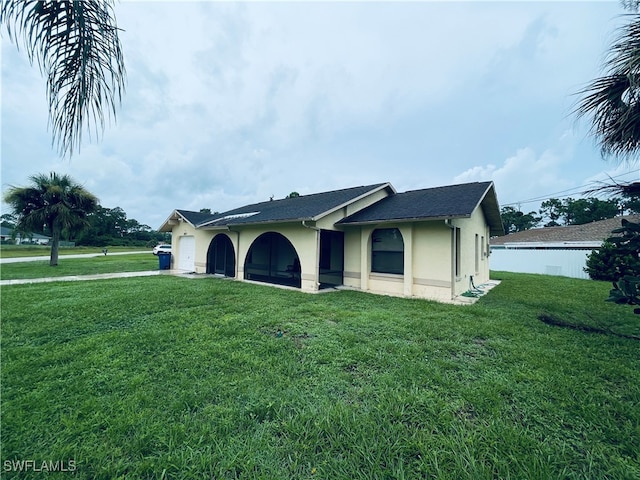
point(431, 243)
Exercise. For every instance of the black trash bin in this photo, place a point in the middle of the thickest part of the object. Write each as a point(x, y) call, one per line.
point(164, 260)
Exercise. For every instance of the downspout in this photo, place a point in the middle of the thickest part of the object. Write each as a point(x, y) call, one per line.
point(447, 222)
point(312, 227)
point(317, 262)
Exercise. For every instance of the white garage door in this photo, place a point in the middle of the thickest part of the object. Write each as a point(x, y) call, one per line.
point(187, 253)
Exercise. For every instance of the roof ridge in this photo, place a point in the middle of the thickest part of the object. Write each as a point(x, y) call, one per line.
point(446, 186)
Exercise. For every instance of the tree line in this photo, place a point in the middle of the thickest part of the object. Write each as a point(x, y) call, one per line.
point(104, 227)
point(555, 212)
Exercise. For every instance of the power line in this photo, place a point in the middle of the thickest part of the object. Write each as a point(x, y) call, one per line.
point(567, 192)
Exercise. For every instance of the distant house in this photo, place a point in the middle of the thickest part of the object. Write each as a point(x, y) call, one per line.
point(425, 243)
point(22, 238)
point(5, 234)
point(552, 250)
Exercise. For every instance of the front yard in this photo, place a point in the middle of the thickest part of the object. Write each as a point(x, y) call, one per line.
point(136, 262)
point(167, 377)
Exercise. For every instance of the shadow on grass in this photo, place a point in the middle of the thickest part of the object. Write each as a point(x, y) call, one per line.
point(559, 322)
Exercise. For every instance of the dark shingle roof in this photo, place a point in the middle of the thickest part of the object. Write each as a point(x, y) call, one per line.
point(304, 207)
point(7, 232)
point(194, 217)
point(430, 203)
point(594, 232)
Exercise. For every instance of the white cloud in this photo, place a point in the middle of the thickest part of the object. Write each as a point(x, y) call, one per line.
point(230, 103)
point(524, 175)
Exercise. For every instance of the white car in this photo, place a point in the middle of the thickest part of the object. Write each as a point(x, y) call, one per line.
point(161, 249)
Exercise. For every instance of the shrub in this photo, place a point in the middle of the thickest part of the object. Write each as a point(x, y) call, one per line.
point(610, 263)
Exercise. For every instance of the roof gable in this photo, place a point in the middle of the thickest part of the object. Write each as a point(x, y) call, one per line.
point(433, 203)
point(183, 215)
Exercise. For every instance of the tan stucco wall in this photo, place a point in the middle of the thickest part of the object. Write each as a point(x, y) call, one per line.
point(429, 260)
point(432, 260)
point(470, 227)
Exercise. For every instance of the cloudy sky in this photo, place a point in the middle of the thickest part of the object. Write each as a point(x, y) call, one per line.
point(231, 103)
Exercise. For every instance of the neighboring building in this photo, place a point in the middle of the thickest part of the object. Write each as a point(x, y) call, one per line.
point(23, 238)
point(5, 234)
point(425, 243)
point(552, 250)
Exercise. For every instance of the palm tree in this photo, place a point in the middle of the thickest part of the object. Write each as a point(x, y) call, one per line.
point(76, 45)
point(613, 100)
point(53, 202)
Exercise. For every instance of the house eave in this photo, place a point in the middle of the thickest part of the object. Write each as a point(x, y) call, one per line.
point(491, 209)
point(404, 220)
point(229, 226)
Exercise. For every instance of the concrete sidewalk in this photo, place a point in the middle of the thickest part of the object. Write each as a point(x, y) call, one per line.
point(99, 276)
point(61, 257)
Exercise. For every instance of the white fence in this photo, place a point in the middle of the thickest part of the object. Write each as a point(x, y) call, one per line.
point(567, 263)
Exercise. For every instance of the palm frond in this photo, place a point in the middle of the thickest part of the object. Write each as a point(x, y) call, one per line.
point(613, 188)
point(613, 100)
point(76, 45)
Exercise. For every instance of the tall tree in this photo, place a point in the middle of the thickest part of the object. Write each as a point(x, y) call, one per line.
point(51, 204)
point(515, 221)
point(586, 210)
point(552, 210)
point(76, 45)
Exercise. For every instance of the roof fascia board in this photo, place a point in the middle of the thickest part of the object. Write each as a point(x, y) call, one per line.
point(404, 220)
point(229, 226)
point(491, 188)
point(360, 197)
point(214, 227)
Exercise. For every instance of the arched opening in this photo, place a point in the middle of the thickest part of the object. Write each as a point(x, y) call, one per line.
point(273, 259)
point(221, 257)
point(387, 251)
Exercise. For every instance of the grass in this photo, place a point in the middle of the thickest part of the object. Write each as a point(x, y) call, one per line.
point(80, 266)
point(166, 377)
point(15, 251)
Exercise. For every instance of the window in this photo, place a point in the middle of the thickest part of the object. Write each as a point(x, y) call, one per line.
point(387, 251)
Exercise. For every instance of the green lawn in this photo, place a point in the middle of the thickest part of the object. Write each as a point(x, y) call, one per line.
point(80, 266)
point(168, 377)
